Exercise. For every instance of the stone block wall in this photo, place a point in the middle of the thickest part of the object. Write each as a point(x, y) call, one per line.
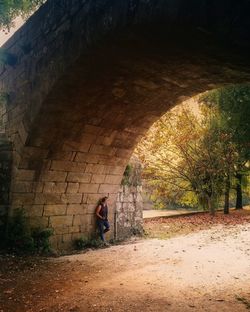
point(5, 180)
point(129, 209)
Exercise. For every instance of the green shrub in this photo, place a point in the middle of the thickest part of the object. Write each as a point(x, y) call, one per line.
point(21, 239)
point(18, 237)
point(83, 242)
point(80, 243)
point(41, 239)
point(132, 175)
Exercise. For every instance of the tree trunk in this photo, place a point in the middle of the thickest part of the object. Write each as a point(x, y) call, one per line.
point(239, 204)
point(210, 206)
point(227, 193)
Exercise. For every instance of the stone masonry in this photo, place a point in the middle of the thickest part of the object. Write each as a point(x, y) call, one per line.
point(129, 212)
point(84, 82)
point(5, 179)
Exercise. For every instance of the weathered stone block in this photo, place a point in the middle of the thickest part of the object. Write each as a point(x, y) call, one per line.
point(25, 175)
point(131, 198)
point(79, 177)
point(74, 229)
point(92, 129)
point(88, 138)
point(95, 168)
point(56, 221)
point(91, 208)
point(113, 179)
point(62, 155)
point(68, 166)
point(131, 208)
point(94, 198)
point(118, 206)
point(87, 158)
point(23, 187)
point(53, 176)
point(98, 178)
point(76, 146)
point(139, 198)
point(72, 188)
point(3, 210)
point(81, 157)
point(43, 198)
point(105, 140)
point(55, 187)
point(125, 153)
point(54, 210)
point(74, 209)
point(66, 243)
point(33, 210)
point(38, 187)
point(88, 188)
point(31, 155)
point(108, 188)
point(64, 229)
point(55, 241)
point(23, 199)
point(80, 220)
point(119, 170)
point(84, 198)
point(71, 198)
point(41, 222)
point(102, 150)
point(84, 229)
point(22, 132)
point(91, 221)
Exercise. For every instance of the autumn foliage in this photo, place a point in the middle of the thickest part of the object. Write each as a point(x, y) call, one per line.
point(192, 157)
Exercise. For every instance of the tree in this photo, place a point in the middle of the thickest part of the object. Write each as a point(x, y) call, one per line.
point(10, 9)
point(234, 105)
point(182, 154)
point(226, 149)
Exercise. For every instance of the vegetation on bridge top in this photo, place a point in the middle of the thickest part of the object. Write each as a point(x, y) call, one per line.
point(10, 9)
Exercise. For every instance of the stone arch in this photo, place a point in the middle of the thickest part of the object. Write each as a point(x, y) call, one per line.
point(77, 108)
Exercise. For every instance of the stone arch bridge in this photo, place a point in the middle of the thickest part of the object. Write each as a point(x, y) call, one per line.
point(84, 80)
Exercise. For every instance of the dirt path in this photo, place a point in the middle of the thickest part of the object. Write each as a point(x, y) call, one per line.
point(148, 214)
point(207, 270)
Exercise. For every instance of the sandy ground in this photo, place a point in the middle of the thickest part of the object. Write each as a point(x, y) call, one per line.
point(148, 214)
point(208, 270)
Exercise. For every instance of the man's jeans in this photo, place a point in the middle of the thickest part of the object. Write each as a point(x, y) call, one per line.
point(101, 225)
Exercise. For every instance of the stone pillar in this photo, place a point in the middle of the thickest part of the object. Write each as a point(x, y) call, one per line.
point(129, 212)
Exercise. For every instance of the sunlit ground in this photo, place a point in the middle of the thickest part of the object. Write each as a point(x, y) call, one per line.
point(205, 267)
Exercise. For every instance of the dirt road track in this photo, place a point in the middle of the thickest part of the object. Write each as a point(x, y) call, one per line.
point(205, 271)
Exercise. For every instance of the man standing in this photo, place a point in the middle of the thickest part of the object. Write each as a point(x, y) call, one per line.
point(102, 217)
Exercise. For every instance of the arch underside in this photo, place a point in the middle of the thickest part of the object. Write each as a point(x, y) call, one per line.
point(76, 148)
point(91, 121)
